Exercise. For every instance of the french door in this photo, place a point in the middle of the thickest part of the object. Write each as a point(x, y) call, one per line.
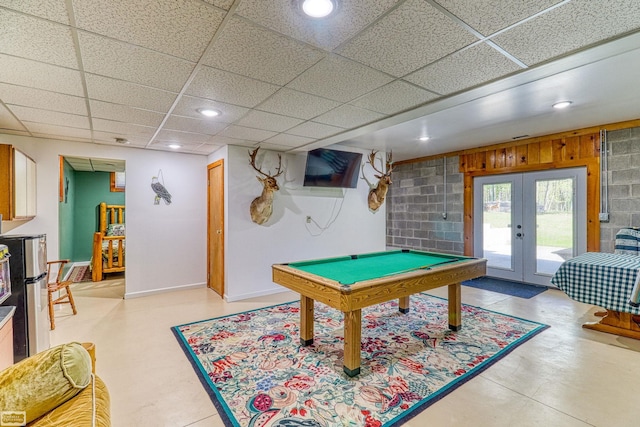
point(527, 224)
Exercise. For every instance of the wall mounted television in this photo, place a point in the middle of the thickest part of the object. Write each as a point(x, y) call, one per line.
point(332, 168)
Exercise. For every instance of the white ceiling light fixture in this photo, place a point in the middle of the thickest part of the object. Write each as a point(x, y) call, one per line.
point(562, 104)
point(318, 8)
point(174, 146)
point(208, 112)
point(423, 138)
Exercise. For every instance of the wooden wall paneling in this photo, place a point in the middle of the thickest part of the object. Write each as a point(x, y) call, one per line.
point(481, 160)
point(557, 147)
point(501, 158)
point(546, 152)
point(491, 159)
point(511, 157)
point(593, 205)
point(533, 157)
point(522, 155)
point(589, 146)
point(572, 148)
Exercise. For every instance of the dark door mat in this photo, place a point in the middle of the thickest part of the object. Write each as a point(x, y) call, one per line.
point(516, 289)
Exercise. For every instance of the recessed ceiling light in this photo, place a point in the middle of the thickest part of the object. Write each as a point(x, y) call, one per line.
point(175, 146)
point(562, 104)
point(423, 138)
point(208, 112)
point(318, 8)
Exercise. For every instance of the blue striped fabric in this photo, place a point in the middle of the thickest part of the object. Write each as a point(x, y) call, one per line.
point(628, 241)
point(602, 279)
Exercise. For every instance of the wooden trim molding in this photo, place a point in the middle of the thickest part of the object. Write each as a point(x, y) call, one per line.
point(114, 187)
point(554, 152)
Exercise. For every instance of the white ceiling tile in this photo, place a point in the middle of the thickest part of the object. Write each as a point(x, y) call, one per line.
point(35, 38)
point(394, 97)
point(123, 113)
point(223, 140)
point(174, 136)
point(268, 121)
point(207, 148)
point(462, 70)
point(55, 10)
point(110, 138)
point(124, 130)
point(36, 98)
point(181, 28)
point(46, 130)
point(569, 27)
point(262, 54)
point(286, 140)
point(241, 132)
point(283, 17)
point(348, 116)
point(131, 94)
point(339, 79)
point(314, 130)
point(123, 61)
point(399, 43)
point(489, 16)
point(8, 120)
point(188, 105)
point(188, 124)
point(223, 4)
point(274, 147)
point(34, 74)
point(297, 104)
point(219, 85)
point(50, 117)
point(15, 132)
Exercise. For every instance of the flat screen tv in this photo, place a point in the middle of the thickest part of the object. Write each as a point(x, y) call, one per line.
point(332, 168)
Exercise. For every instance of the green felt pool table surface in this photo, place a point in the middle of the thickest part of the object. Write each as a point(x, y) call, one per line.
point(348, 270)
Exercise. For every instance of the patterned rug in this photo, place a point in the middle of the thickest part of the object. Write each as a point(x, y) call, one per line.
point(80, 273)
point(257, 374)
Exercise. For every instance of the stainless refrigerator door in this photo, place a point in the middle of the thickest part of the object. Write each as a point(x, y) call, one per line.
point(35, 256)
point(38, 316)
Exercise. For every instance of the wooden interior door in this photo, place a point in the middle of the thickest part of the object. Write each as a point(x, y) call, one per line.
point(215, 227)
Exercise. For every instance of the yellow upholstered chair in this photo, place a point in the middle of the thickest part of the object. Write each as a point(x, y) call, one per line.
point(57, 285)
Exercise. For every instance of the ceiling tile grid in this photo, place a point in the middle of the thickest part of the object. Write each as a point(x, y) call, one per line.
point(54, 10)
point(35, 38)
point(279, 79)
point(462, 70)
point(181, 28)
point(569, 27)
point(399, 44)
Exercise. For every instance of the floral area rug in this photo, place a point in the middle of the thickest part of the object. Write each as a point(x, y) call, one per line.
point(258, 374)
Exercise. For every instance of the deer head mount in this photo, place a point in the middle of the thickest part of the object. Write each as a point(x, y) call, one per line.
point(378, 191)
point(262, 206)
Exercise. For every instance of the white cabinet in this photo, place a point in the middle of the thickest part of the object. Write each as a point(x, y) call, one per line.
point(17, 184)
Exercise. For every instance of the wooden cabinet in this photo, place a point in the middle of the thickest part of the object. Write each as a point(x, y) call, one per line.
point(17, 184)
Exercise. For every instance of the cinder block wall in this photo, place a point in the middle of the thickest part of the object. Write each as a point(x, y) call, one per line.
point(623, 177)
point(416, 204)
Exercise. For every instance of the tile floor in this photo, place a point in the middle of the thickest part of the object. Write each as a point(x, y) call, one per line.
point(566, 376)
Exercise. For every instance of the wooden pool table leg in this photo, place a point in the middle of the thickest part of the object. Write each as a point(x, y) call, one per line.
point(306, 320)
point(352, 342)
point(455, 312)
point(403, 304)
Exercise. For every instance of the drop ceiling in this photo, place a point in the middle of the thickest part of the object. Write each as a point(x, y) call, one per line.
point(375, 75)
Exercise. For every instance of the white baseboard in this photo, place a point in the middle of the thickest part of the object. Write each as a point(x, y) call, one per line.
point(241, 297)
point(129, 295)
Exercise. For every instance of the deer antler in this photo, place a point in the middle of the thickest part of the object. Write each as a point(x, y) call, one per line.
point(372, 162)
point(252, 162)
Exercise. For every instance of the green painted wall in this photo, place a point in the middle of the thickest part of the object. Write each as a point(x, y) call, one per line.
point(91, 188)
point(66, 215)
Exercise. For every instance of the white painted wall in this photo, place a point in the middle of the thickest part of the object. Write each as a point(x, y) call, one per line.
point(251, 249)
point(166, 244)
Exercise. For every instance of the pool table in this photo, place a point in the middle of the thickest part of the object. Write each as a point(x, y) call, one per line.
point(350, 283)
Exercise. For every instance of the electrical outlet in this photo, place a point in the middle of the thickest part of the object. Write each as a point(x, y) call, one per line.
point(308, 219)
point(604, 216)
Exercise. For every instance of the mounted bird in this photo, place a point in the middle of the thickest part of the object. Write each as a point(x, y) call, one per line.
point(161, 192)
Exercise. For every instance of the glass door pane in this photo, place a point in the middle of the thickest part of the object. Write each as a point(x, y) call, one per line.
point(554, 223)
point(496, 225)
